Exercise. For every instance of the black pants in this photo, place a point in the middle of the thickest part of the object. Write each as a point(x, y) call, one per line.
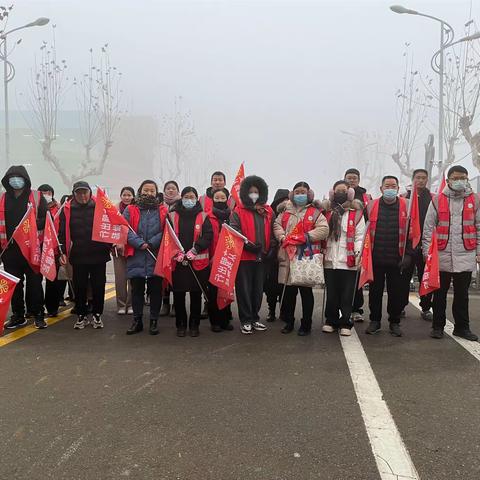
point(20, 268)
point(154, 287)
point(340, 286)
point(394, 293)
point(271, 287)
point(407, 274)
point(290, 302)
point(179, 302)
point(52, 295)
point(217, 317)
point(96, 276)
point(461, 282)
point(249, 289)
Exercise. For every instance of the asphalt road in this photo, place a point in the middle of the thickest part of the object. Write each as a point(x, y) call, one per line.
point(102, 405)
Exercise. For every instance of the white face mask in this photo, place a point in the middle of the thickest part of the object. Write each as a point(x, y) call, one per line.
point(48, 198)
point(253, 197)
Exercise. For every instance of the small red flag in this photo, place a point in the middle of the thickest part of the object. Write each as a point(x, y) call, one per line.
point(109, 226)
point(415, 233)
point(235, 190)
point(366, 265)
point(293, 239)
point(26, 236)
point(431, 275)
point(226, 260)
point(443, 183)
point(169, 248)
point(48, 268)
point(7, 286)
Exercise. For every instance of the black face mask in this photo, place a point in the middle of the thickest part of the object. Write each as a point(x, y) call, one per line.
point(340, 198)
point(220, 205)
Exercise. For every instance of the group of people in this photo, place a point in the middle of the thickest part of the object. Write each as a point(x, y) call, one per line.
point(335, 227)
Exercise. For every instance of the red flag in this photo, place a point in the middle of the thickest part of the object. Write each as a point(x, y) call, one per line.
point(108, 225)
point(443, 183)
point(235, 190)
point(226, 260)
point(293, 239)
point(169, 248)
point(26, 236)
point(431, 275)
point(7, 286)
point(48, 268)
point(415, 233)
point(366, 266)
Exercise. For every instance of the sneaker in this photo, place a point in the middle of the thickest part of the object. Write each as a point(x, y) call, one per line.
point(40, 323)
point(328, 329)
point(246, 329)
point(427, 315)
point(97, 321)
point(16, 321)
point(259, 327)
point(121, 311)
point(52, 314)
point(395, 330)
point(81, 322)
point(373, 328)
point(357, 317)
point(129, 311)
point(345, 332)
point(466, 334)
point(436, 333)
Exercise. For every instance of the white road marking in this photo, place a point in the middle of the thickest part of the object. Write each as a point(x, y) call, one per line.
point(473, 348)
point(391, 454)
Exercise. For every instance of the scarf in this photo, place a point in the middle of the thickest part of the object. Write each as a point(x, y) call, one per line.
point(146, 201)
point(222, 214)
point(335, 223)
point(170, 199)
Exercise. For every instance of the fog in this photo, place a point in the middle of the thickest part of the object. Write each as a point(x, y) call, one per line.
point(268, 83)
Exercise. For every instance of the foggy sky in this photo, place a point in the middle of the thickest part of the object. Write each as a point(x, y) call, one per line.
point(273, 82)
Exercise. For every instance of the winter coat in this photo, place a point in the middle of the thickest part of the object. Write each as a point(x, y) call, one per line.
point(83, 251)
point(336, 251)
point(319, 232)
point(16, 207)
point(454, 258)
point(183, 279)
point(141, 263)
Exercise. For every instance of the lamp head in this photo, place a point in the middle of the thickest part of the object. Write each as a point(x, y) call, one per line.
point(400, 9)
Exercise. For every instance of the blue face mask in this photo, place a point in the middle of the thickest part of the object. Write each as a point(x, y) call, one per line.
point(17, 183)
point(458, 185)
point(300, 199)
point(390, 193)
point(188, 203)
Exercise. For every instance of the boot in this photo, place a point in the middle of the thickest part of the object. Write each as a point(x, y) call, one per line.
point(136, 327)
point(153, 327)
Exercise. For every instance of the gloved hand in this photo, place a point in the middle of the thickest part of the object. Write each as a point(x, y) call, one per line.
point(179, 257)
point(191, 254)
point(405, 263)
point(253, 247)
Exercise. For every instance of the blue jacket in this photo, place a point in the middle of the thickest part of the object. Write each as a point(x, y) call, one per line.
point(142, 264)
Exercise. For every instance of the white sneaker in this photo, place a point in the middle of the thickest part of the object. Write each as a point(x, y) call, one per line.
point(259, 327)
point(97, 321)
point(121, 311)
point(246, 329)
point(328, 329)
point(345, 332)
point(357, 317)
point(81, 322)
point(130, 311)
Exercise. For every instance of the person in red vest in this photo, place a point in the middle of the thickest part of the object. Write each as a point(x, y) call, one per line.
point(352, 177)
point(254, 220)
point(420, 179)
point(13, 206)
point(218, 181)
point(194, 230)
point(53, 293)
point(455, 214)
point(147, 217)
point(298, 210)
point(391, 254)
point(87, 257)
point(220, 214)
point(342, 250)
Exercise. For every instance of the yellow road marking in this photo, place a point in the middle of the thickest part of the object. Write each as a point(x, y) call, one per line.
point(28, 330)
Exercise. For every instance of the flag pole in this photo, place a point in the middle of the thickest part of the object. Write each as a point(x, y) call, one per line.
point(15, 231)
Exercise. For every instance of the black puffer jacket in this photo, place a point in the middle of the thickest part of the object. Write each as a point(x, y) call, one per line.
point(385, 247)
point(84, 251)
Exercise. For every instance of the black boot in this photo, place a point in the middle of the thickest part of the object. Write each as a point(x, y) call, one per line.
point(153, 327)
point(136, 326)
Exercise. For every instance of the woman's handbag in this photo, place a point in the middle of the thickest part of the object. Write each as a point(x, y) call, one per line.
point(307, 270)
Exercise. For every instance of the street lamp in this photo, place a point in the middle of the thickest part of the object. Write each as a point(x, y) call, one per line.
point(9, 74)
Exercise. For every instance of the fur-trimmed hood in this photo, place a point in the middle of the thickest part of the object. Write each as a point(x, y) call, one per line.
point(355, 204)
point(258, 182)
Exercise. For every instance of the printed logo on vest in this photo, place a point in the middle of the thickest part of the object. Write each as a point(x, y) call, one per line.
point(310, 218)
point(197, 227)
point(470, 205)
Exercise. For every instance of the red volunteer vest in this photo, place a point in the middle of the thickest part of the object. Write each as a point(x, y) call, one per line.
point(134, 212)
point(309, 219)
point(202, 259)
point(469, 231)
point(247, 225)
point(402, 222)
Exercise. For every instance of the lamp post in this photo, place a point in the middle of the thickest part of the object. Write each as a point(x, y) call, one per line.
point(9, 74)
